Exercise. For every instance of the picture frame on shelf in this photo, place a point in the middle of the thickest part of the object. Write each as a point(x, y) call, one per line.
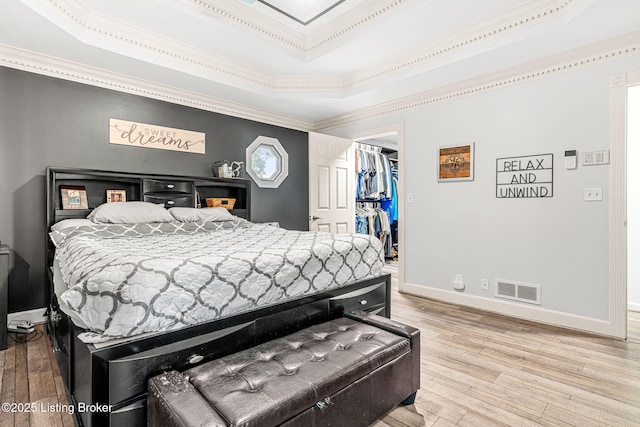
point(114, 196)
point(74, 197)
point(456, 162)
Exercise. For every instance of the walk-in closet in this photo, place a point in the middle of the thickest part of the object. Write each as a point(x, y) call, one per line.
point(376, 178)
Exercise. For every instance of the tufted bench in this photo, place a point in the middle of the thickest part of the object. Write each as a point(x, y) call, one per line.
point(348, 371)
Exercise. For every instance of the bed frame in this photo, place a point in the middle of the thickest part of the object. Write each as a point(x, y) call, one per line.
point(108, 385)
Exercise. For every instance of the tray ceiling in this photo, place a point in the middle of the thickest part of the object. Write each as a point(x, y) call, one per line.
point(354, 55)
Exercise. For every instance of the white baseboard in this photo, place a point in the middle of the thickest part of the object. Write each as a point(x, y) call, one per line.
point(508, 308)
point(34, 316)
point(633, 306)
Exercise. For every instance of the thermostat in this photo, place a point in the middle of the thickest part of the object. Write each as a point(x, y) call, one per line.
point(570, 159)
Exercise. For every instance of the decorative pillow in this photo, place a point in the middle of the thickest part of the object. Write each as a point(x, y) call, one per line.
point(204, 214)
point(130, 213)
point(73, 222)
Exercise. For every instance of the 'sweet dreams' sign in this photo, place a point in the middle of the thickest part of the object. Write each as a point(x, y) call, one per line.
point(524, 177)
point(135, 134)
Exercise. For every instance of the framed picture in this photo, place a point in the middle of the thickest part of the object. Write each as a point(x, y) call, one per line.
point(456, 163)
point(74, 197)
point(116, 196)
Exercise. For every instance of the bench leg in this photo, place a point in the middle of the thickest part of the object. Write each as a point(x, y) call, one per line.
point(410, 399)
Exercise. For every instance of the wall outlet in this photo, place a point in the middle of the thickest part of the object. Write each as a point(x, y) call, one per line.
point(485, 285)
point(458, 283)
point(593, 194)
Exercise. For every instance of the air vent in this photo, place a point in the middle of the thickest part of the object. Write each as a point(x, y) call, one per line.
point(518, 291)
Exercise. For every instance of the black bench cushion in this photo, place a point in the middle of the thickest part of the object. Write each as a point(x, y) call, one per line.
point(269, 383)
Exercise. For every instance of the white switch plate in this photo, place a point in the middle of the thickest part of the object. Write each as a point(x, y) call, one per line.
point(591, 158)
point(593, 194)
point(409, 197)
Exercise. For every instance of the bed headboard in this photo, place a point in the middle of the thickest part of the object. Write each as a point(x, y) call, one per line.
point(74, 193)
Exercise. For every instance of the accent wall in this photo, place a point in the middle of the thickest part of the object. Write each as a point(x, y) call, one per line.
point(53, 122)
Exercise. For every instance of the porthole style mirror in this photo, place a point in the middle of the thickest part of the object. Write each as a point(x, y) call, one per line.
point(268, 162)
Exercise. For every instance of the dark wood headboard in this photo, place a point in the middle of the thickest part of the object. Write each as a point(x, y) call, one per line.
point(171, 190)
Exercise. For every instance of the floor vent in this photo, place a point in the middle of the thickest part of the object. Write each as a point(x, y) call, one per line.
point(518, 291)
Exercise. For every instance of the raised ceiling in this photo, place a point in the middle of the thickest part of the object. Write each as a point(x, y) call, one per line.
point(246, 58)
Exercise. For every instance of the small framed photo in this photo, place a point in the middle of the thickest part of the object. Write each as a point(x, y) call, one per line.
point(456, 163)
point(74, 197)
point(116, 196)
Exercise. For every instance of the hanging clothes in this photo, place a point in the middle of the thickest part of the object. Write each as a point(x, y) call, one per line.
point(376, 192)
point(373, 173)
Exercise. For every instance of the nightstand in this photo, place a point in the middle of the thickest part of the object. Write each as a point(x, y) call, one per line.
point(4, 294)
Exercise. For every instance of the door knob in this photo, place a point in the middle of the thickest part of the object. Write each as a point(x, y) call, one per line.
point(313, 218)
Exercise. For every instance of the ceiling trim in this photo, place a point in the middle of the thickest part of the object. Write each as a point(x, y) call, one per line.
point(335, 4)
point(37, 63)
point(303, 45)
point(613, 49)
point(105, 33)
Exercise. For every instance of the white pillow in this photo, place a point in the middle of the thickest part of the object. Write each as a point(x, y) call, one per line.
point(130, 213)
point(73, 222)
point(204, 214)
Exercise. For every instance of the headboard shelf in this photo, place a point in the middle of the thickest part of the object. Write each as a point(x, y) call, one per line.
point(172, 190)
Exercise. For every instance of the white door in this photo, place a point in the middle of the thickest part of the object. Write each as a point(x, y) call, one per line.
point(331, 184)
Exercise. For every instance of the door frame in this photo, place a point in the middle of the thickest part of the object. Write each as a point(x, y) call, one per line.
point(380, 132)
point(619, 88)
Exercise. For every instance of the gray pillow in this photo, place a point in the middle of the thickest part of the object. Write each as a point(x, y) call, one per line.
point(204, 214)
point(130, 213)
point(73, 222)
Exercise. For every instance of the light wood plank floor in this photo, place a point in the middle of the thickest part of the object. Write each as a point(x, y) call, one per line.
point(478, 369)
point(482, 369)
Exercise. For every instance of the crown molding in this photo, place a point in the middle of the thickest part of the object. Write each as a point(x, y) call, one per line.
point(613, 49)
point(479, 38)
point(303, 46)
point(12, 57)
point(124, 39)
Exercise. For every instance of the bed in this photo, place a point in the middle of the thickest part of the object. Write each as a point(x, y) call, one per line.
point(131, 298)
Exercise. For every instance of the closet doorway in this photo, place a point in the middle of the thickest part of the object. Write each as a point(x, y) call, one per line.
point(382, 204)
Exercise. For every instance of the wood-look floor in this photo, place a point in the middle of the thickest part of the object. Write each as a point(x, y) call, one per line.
point(478, 369)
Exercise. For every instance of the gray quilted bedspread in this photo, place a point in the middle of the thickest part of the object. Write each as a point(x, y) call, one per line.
point(125, 280)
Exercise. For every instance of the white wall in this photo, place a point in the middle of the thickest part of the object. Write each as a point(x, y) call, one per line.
point(560, 243)
point(633, 199)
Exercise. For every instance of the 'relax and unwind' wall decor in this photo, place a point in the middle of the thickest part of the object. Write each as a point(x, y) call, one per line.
point(524, 177)
point(123, 132)
point(455, 163)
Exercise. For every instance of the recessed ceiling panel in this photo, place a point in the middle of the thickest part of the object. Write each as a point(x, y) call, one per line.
point(303, 12)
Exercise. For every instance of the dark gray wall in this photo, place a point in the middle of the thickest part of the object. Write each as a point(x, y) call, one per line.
point(51, 122)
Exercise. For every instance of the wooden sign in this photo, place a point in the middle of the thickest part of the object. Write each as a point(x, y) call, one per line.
point(122, 132)
point(524, 177)
point(455, 163)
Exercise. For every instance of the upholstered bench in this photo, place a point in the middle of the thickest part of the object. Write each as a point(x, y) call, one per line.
point(348, 371)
